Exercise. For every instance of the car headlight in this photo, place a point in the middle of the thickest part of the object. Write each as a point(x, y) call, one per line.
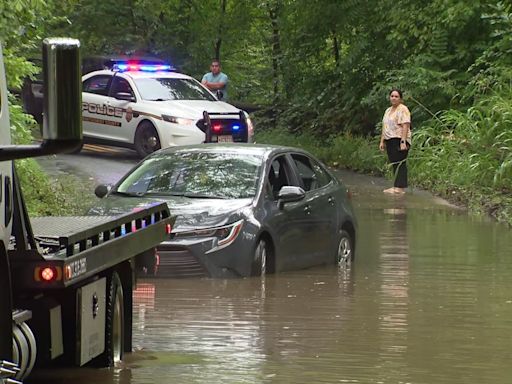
point(224, 235)
point(178, 120)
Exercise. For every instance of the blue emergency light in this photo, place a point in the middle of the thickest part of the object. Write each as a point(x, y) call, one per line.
point(235, 127)
point(143, 67)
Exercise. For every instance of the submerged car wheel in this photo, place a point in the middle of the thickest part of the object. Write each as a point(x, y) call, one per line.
point(259, 262)
point(345, 252)
point(146, 139)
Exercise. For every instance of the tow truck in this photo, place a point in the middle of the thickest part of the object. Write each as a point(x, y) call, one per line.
point(65, 282)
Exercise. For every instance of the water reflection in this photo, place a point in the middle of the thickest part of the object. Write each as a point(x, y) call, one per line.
point(252, 330)
point(427, 300)
point(394, 289)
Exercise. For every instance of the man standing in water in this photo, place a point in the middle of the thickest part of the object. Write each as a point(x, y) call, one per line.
point(216, 81)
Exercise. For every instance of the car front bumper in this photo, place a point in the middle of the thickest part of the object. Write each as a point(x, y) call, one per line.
point(188, 258)
point(176, 134)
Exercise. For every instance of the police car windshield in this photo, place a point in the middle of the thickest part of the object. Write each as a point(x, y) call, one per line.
point(161, 88)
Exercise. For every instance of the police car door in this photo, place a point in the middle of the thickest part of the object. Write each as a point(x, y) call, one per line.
point(120, 101)
point(94, 102)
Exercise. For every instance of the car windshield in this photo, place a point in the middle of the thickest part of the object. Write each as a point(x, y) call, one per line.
point(195, 175)
point(163, 88)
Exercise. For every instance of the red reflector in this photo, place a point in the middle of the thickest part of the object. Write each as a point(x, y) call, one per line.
point(168, 229)
point(47, 274)
point(217, 127)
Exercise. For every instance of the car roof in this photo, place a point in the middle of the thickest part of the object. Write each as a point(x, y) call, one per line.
point(234, 148)
point(141, 74)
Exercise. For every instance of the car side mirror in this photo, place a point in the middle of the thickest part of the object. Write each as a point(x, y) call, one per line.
point(289, 194)
point(124, 96)
point(102, 190)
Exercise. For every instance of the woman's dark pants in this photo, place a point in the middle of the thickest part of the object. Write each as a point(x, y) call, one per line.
point(398, 159)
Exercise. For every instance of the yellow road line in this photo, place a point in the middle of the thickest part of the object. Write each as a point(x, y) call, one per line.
point(101, 148)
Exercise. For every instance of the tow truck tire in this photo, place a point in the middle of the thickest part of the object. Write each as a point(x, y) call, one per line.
point(20, 352)
point(114, 324)
point(146, 139)
point(24, 349)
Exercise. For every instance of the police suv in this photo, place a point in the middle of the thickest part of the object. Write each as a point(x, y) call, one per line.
point(149, 106)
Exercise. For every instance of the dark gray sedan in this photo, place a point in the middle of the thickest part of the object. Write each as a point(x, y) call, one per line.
point(242, 210)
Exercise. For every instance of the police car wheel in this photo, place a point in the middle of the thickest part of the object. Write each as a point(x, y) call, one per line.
point(146, 139)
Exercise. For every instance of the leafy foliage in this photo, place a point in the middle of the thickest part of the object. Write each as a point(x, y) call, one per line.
point(46, 196)
point(320, 70)
point(21, 23)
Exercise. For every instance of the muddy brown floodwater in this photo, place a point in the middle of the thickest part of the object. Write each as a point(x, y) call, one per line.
point(428, 300)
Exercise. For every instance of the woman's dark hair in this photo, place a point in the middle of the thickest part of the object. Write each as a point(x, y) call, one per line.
point(396, 90)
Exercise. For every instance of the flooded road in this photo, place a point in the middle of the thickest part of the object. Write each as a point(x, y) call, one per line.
point(427, 300)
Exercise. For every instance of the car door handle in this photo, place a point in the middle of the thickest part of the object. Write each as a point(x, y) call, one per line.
point(307, 210)
point(331, 200)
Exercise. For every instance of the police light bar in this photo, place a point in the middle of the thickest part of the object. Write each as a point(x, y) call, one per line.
point(143, 67)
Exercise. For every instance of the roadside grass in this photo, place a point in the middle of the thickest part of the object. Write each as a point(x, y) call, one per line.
point(52, 196)
point(44, 195)
point(464, 157)
point(344, 151)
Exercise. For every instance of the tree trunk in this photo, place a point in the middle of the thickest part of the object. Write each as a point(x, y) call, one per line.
point(218, 40)
point(273, 11)
point(335, 48)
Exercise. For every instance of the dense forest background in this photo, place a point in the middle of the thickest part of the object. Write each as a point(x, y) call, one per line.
point(319, 70)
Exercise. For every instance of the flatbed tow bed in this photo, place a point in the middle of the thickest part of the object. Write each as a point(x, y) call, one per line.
point(78, 247)
point(74, 277)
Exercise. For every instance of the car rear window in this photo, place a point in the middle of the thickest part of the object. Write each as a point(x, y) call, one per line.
point(97, 85)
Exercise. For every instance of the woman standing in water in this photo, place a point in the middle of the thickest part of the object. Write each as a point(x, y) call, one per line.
point(396, 139)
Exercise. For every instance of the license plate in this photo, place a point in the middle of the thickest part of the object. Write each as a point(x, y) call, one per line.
point(225, 139)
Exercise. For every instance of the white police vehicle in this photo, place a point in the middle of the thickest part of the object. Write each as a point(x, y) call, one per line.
point(149, 106)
